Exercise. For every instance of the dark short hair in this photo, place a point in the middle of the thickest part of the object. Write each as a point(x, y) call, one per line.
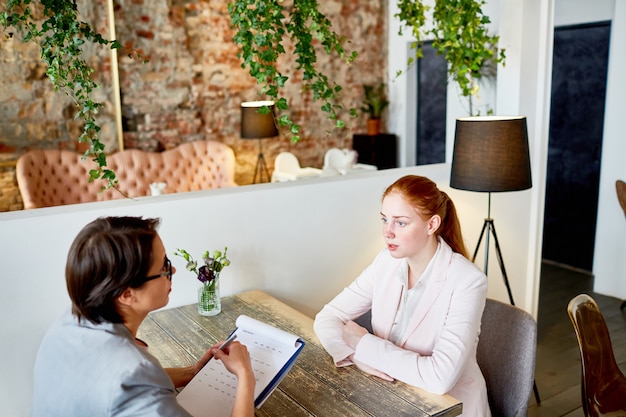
point(108, 255)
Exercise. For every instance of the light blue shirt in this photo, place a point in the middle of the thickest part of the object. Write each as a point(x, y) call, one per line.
point(85, 369)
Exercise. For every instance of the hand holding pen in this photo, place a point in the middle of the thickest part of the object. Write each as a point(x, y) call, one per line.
point(224, 345)
point(234, 356)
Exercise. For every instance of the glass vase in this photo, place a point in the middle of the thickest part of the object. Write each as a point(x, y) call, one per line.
point(209, 303)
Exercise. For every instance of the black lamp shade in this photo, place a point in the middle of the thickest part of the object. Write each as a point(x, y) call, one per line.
point(491, 154)
point(255, 125)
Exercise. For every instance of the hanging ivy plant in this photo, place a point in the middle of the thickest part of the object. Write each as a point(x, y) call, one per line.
point(459, 32)
point(263, 25)
point(458, 29)
point(61, 36)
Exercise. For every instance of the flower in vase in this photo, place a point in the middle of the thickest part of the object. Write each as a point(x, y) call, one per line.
point(208, 274)
point(213, 264)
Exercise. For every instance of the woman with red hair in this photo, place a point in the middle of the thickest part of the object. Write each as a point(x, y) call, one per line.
point(426, 300)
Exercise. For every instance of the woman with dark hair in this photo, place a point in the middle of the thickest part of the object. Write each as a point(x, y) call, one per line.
point(90, 362)
point(426, 300)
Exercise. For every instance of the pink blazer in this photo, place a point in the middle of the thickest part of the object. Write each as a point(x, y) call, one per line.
point(438, 350)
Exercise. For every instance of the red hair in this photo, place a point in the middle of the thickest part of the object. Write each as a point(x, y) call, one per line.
point(428, 200)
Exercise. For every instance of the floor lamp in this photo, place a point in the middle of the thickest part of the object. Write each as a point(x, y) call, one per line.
point(257, 122)
point(491, 155)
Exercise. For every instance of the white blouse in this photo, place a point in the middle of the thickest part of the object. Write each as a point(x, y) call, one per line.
point(410, 298)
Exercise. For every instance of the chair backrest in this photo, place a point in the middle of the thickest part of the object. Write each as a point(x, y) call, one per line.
point(603, 385)
point(339, 158)
point(49, 177)
point(506, 354)
point(286, 162)
point(620, 187)
point(191, 166)
point(52, 177)
point(286, 167)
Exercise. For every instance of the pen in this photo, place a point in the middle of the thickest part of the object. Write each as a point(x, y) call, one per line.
point(232, 337)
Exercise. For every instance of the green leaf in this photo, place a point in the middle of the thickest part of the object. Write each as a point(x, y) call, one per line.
point(61, 38)
point(260, 28)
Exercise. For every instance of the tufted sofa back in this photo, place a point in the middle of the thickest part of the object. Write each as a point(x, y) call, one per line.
point(54, 177)
point(58, 177)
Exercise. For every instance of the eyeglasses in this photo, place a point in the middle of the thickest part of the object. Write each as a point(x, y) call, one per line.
point(167, 273)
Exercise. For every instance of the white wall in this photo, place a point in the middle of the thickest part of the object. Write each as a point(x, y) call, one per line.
point(526, 29)
point(520, 25)
point(609, 260)
point(301, 242)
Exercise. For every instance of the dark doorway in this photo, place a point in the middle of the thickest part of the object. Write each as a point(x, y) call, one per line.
point(432, 85)
point(579, 75)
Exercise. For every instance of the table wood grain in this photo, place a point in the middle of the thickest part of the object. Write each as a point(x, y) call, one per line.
point(313, 387)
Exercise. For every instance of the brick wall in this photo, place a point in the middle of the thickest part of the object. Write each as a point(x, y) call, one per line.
point(190, 89)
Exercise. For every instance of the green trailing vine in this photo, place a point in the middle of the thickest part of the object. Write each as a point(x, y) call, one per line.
point(459, 32)
point(261, 26)
point(61, 36)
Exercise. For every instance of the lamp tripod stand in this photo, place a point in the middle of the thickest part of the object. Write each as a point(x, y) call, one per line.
point(261, 165)
point(489, 227)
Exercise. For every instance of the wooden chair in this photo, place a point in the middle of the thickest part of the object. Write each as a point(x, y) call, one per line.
point(506, 354)
point(620, 187)
point(603, 384)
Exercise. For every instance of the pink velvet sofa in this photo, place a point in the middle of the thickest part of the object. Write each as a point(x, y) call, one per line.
point(57, 177)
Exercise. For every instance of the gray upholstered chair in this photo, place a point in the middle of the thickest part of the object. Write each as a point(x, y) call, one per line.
point(506, 353)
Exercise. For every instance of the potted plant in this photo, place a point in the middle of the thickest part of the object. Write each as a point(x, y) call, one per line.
point(374, 103)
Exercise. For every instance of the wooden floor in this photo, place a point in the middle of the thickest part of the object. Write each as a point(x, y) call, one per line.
point(558, 370)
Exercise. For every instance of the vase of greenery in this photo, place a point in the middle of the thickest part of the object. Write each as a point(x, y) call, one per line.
point(374, 103)
point(209, 301)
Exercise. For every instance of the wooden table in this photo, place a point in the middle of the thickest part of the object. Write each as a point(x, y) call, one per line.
point(313, 387)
